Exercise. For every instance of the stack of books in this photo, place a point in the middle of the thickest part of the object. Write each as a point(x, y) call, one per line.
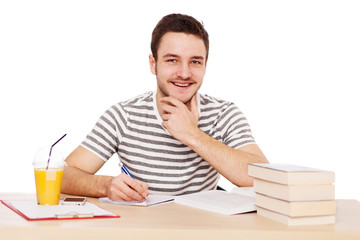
point(294, 195)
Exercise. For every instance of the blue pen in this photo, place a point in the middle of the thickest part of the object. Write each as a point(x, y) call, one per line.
point(128, 173)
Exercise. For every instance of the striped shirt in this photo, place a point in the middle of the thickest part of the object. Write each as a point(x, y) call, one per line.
point(133, 130)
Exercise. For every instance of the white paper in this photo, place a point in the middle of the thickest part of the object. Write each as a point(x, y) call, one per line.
point(152, 200)
point(219, 201)
point(247, 191)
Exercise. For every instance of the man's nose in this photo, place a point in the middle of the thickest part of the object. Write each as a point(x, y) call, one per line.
point(184, 71)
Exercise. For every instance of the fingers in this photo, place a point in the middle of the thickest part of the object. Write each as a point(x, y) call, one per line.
point(169, 108)
point(173, 105)
point(144, 186)
point(172, 101)
point(125, 188)
point(180, 120)
point(193, 107)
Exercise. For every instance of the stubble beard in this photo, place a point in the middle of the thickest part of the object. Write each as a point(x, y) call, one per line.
point(166, 93)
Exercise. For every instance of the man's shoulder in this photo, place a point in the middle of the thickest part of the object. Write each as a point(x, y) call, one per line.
point(143, 101)
point(140, 99)
point(210, 101)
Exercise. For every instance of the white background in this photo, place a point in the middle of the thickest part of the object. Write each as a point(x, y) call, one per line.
point(291, 66)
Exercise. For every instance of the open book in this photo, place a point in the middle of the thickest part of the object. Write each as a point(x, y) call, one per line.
point(222, 202)
point(152, 200)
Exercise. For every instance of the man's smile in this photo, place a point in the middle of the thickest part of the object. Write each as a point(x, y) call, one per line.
point(182, 84)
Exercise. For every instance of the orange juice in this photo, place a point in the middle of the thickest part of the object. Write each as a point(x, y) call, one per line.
point(48, 185)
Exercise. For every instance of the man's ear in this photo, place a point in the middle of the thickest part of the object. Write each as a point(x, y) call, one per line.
point(152, 63)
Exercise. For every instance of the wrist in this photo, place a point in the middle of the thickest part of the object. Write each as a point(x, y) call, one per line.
point(196, 139)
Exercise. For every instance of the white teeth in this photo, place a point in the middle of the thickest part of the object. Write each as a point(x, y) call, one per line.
point(182, 85)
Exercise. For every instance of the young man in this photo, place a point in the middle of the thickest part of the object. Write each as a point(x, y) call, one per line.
point(173, 141)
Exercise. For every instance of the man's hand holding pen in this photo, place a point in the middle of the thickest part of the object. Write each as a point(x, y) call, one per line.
point(126, 188)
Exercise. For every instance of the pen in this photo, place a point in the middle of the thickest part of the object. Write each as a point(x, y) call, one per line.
point(128, 173)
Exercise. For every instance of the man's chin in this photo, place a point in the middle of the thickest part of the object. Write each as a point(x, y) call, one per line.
point(182, 98)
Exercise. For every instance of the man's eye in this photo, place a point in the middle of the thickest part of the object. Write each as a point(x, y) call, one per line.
point(196, 62)
point(171, 60)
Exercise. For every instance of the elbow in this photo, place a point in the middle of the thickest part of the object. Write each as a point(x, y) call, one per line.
point(245, 181)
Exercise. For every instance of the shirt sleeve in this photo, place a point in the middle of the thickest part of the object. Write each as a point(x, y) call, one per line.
point(235, 129)
point(104, 138)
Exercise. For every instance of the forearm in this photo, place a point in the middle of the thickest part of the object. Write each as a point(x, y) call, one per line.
point(229, 162)
point(182, 123)
point(82, 183)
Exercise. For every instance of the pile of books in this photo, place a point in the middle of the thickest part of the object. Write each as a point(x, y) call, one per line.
point(294, 195)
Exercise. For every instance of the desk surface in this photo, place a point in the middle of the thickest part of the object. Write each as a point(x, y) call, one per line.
point(174, 221)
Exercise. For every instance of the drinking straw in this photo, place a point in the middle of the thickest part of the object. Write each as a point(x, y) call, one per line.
point(47, 165)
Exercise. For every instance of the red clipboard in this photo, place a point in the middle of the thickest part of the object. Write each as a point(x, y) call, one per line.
point(29, 210)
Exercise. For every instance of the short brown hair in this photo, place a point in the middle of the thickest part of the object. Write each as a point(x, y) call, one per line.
point(178, 23)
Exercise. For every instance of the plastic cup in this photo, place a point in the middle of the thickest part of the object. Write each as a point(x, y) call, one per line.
point(48, 180)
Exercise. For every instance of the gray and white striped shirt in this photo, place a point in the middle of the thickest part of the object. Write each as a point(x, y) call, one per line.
point(133, 130)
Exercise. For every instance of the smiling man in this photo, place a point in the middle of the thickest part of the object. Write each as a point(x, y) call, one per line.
point(174, 140)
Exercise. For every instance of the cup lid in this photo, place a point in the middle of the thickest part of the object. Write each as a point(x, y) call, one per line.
point(41, 158)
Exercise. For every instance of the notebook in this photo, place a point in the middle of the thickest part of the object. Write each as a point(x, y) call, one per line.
point(152, 200)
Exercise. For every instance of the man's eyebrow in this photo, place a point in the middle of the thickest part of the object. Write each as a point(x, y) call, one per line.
point(169, 55)
point(198, 57)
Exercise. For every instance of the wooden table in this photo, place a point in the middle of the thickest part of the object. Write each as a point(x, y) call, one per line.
point(173, 221)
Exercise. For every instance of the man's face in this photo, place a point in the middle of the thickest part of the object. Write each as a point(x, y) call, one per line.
point(180, 67)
